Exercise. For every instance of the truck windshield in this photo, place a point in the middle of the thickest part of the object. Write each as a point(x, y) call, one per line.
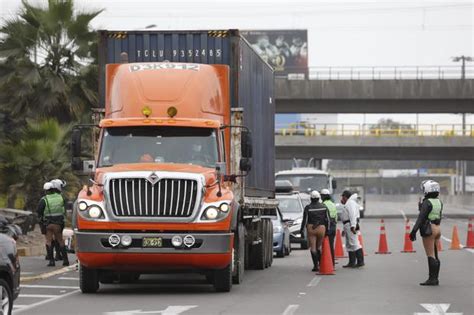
point(159, 145)
point(307, 182)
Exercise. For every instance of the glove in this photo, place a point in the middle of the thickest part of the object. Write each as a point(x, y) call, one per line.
point(353, 230)
point(412, 236)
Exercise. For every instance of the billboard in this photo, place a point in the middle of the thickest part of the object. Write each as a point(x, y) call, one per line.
point(285, 50)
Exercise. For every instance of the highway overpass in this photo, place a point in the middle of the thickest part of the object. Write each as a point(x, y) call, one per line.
point(375, 147)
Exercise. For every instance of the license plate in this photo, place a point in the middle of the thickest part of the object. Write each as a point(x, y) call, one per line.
point(152, 242)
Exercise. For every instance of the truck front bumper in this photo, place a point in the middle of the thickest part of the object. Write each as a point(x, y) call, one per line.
point(210, 251)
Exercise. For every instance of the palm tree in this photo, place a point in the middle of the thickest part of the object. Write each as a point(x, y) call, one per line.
point(45, 55)
point(38, 155)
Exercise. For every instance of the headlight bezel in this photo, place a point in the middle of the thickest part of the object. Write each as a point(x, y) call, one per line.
point(222, 209)
point(99, 215)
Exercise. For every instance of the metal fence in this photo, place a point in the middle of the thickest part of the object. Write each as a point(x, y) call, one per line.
point(380, 73)
point(374, 130)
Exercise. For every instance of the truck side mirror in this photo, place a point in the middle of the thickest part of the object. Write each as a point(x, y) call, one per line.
point(245, 164)
point(246, 144)
point(334, 183)
point(76, 150)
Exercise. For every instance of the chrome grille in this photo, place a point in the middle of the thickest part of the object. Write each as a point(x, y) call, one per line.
point(137, 197)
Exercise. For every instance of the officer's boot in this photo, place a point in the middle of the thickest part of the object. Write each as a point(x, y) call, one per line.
point(360, 258)
point(57, 249)
point(436, 271)
point(352, 260)
point(432, 267)
point(315, 258)
point(49, 249)
point(46, 257)
point(64, 256)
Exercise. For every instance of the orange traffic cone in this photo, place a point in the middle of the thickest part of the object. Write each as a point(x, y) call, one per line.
point(408, 246)
point(455, 244)
point(383, 247)
point(325, 265)
point(361, 241)
point(338, 249)
point(470, 235)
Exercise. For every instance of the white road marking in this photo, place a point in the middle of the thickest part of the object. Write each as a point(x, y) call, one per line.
point(18, 306)
point(462, 246)
point(40, 286)
point(314, 282)
point(57, 297)
point(436, 309)
point(68, 278)
point(291, 309)
point(42, 296)
point(403, 215)
point(170, 310)
point(27, 273)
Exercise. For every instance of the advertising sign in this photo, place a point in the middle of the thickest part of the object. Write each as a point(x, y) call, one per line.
point(285, 50)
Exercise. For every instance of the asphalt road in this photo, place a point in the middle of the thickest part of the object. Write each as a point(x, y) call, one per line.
point(388, 284)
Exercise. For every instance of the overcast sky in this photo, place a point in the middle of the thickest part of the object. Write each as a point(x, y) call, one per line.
point(340, 33)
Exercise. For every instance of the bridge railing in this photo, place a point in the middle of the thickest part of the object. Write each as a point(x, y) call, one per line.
point(378, 73)
point(374, 130)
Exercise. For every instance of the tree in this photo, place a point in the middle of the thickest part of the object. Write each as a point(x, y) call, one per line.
point(45, 69)
point(39, 155)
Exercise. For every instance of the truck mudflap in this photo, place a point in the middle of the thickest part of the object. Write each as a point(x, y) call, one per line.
point(154, 243)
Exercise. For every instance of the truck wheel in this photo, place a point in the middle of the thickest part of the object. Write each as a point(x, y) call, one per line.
point(88, 279)
point(223, 279)
point(265, 243)
point(270, 242)
point(258, 250)
point(239, 255)
point(6, 297)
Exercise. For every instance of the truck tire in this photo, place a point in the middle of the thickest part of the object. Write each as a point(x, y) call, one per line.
point(88, 279)
point(6, 296)
point(266, 250)
point(258, 250)
point(270, 242)
point(239, 255)
point(223, 279)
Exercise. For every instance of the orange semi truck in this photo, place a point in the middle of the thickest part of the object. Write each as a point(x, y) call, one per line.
point(184, 168)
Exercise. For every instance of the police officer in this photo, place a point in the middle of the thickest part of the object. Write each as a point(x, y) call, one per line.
point(331, 232)
point(349, 216)
point(428, 222)
point(52, 212)
point(315, 220)
point(59, 185)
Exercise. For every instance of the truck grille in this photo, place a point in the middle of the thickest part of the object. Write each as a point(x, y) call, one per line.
point(137, 197)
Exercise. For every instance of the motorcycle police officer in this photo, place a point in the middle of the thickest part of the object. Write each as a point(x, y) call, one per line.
point(315, 220)
point(331, 232)
point(428, 222)
point(52, 212)
point(350, 217)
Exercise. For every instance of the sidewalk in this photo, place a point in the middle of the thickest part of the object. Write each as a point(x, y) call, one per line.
point(34, 267)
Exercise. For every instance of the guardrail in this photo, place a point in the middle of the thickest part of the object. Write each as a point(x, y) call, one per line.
point(378, 73)
point(374, 130)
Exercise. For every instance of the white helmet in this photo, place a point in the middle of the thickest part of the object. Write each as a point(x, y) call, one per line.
point(325, 192)
point(58, 184)
point(48, 186)
point(315, 195)
point(429, 186)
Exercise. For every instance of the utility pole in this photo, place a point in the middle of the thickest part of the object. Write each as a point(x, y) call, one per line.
point(463, 164)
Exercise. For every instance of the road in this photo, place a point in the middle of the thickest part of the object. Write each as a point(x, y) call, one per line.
point(388, 284)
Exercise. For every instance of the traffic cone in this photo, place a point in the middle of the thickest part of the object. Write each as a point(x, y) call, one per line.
point(440, 245)
point(383, 247)
point(338, 249)
point(455, 244)
point(325, 265)
point(361, 241)
point(470, 235)
point(408, 246)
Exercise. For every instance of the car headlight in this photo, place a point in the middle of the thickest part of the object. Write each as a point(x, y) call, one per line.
point(277, 229)
point(82, 205)
point(95, 212)
point(91, 210)
point(297, 222)
point(215, 211)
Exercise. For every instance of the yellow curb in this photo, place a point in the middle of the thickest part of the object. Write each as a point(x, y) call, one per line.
point(49, 274)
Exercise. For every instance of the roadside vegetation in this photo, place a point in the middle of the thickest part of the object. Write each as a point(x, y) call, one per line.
point(48, 82)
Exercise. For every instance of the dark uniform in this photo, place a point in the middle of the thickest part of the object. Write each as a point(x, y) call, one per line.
point(315, 220)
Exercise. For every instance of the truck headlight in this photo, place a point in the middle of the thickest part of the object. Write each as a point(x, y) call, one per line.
point(177, 241)
point(95, 212)
point(211, 213)
point(82, 205)
point(126, 240)
point(224, 207)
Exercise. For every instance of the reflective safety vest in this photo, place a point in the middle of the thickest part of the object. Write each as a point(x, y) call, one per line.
point(436, 207)
point(54, 205)
point(332, 208)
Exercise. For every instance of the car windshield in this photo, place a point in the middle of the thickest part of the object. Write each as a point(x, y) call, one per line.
point(305, 200)
point(159, 145)
point(288, 204)
point(306, 182)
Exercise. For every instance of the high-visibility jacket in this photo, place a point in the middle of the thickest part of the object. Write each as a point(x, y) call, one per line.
point(332, 208)
point(436, 208)
point(54, 205)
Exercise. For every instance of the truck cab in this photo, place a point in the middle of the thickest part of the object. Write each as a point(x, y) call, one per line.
point(306, 179)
